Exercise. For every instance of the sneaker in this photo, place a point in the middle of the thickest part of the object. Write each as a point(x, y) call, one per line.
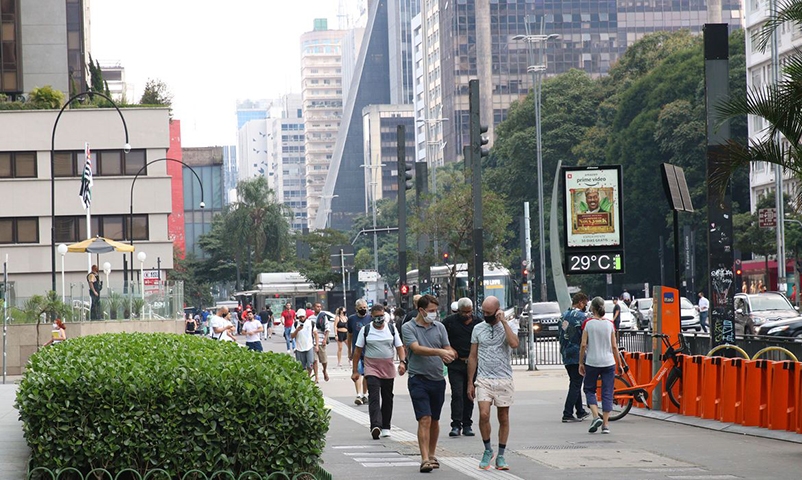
point(455, 432)
point(468, 431)
point(487, 457)
point(582, 416)
point(358, 400)
point(571, 419)
point(501, 463)
point(385, 432)
point(605, 429)
point(375, 432)
point(595, 424)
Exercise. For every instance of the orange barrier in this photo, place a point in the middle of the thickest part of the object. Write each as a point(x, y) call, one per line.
point(712, 379)
point(665, 402)
point(798, 401)
point(756, 392)
point(645, 372)
point(782, 404)
point(732, 390)
point(692, 388)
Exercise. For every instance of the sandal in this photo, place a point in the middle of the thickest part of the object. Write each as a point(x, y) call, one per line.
point(434, 462)
point(426, 466)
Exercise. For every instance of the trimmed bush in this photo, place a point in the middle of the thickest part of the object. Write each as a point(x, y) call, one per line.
point(177, 402)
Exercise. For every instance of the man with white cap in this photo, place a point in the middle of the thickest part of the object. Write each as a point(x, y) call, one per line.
point(305, 340)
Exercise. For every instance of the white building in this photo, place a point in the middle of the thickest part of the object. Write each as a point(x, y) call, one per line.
point(428, 100)
point(759, 75)
point(288, 160)
point(114, 76)
point(252, 155)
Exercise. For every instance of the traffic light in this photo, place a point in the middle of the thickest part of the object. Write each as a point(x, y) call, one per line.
point(445, 257)
point(409, 175)
point(404, 289)
point(799, 266)
point(483, 151)
point(525, 273)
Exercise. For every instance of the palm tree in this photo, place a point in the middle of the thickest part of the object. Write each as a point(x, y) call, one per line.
point(779, 105)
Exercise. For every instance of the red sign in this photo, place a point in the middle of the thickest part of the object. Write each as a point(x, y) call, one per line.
point(767, 217)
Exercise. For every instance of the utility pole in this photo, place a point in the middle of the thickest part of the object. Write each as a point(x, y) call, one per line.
point(477, 152)
point(404, 183)
point(421, 191)
point(528, 280)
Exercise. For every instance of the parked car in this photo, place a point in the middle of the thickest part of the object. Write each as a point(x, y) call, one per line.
point(546, 317)
point(689, 315)
point(782, 328)
point(756, 309)
point(643, 310)
point(627, 319)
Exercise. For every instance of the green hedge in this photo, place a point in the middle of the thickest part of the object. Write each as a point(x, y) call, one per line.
point(177, 402)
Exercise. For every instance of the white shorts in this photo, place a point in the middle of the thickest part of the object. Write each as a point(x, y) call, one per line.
point(498, 391)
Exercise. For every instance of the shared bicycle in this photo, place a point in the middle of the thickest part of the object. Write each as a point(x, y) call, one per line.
point(627, 391)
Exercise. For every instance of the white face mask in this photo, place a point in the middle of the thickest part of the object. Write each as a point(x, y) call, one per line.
point(430, 317)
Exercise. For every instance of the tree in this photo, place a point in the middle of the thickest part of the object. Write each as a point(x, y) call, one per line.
point(197, 286)
point(156, 93)
point(780, 106)
point(38, 305)
point(317, 269)
point(451, 219)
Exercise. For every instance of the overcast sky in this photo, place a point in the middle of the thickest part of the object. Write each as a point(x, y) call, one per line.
point(208, 53)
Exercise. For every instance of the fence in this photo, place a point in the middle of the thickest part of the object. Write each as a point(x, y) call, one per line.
point(547, 349)
point(162, 301)
point(41, 473)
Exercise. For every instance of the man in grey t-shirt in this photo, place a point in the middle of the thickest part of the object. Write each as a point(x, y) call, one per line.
point(427, 342)
point(491, 344)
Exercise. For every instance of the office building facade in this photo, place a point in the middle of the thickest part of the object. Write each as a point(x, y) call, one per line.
point(208, 163)
point(380, 127)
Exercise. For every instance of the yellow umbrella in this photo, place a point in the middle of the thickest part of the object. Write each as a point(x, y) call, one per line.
point(99, 245)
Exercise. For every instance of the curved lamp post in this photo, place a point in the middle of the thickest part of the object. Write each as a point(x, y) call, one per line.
point(131, 204)
point(126, 149)
point(62, 250)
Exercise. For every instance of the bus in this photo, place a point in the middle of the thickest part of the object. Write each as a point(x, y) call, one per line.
point(279, 288)
point(497, 282)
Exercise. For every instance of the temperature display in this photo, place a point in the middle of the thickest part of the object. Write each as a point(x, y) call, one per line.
point(601, 262)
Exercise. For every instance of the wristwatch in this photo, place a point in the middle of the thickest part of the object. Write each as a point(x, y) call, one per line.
point(405, 362)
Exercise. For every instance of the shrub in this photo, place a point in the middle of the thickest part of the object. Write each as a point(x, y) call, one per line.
point(177, 402)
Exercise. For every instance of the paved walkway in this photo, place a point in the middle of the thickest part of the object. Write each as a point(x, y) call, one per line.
point(14, 451)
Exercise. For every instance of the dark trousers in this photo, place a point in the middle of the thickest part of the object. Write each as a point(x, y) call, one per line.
point(607, 375)
point(94, 310)
point(573, 401)
point(380, 401)
point(461, 405)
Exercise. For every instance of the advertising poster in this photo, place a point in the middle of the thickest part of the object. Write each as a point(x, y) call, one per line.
point(593, 213)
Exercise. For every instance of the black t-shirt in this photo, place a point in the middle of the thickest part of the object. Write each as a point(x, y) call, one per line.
point(355, 324)
point(616, 315)
point(264, 317)
point(459, 334)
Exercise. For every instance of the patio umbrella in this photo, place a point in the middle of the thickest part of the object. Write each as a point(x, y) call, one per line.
point(99, 245)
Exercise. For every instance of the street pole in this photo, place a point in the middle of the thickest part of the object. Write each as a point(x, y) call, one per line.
point(778, 170)
point(528, 243)
point(5, 316)
point(401, 152)
point(342, 269)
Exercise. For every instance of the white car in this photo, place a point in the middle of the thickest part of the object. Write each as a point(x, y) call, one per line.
point(627, 319)
point(689, 315)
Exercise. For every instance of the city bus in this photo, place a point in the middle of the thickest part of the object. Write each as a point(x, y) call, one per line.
point(497, 282)
point(279, 288)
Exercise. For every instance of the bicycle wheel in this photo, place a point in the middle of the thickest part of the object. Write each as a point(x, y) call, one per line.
point(674, 386)
point(621, 403)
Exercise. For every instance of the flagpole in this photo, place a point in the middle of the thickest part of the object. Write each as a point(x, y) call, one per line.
point(88, 207)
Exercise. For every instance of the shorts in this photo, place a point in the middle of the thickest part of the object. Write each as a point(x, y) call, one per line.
point(321, 354)
point(306, 358)
point(342, 336)
point(427, 396)
point(498, 391)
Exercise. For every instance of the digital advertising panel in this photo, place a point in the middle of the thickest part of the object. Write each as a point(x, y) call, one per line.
point(594, 237)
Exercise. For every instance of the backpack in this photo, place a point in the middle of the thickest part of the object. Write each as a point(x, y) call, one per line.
point(366, 330)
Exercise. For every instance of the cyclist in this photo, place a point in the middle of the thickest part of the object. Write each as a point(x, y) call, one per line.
point(598, 357)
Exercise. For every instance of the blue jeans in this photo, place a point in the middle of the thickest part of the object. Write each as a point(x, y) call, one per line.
point(288, 338)
point(703, 320)
point(607, 375)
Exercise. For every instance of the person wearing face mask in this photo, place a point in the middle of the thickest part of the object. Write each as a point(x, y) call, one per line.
point(355, 324)
point(492, 343)
point(428, 349)
point(379, 343)
point(459, 327)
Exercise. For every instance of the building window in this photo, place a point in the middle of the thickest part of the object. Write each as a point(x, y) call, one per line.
point(17, 165)
point(9, 47)
point(115, 227)
point(19, 230)
point(106, 163)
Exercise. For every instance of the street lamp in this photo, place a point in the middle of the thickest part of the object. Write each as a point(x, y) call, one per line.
point(373, 194)
point(62, 250)
point(126, 149)
point(107, 271)
point(535, 44)
point(131, 204)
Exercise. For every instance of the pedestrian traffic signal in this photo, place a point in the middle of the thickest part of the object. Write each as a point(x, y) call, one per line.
point(525, 273)
point(445, 257)
point(404, 290)
point(483, 151)
point(738, 272)
point(409, 175)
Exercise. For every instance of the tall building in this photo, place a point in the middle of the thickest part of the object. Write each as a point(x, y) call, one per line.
point(230, 175)
point(114, 76)
point(288, 159)
point(759, 75)
point(592, 36)
point(400, 51)
point(253, 156)
point(43, 42)
point(380, 127)
point(207, 162)
point(248, 110)
point(322, 97)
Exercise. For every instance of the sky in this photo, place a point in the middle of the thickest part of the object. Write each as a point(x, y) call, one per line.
point(209, 54)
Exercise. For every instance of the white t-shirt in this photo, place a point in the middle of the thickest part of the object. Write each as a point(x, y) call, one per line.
point(218, 322)
point(704, 304)
point(303, 339)
point(250, 329)
point(599, 351)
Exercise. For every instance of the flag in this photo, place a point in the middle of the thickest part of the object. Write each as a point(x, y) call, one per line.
point(86, 180)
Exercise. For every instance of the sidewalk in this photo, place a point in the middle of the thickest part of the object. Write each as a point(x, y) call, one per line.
point(14, 451)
